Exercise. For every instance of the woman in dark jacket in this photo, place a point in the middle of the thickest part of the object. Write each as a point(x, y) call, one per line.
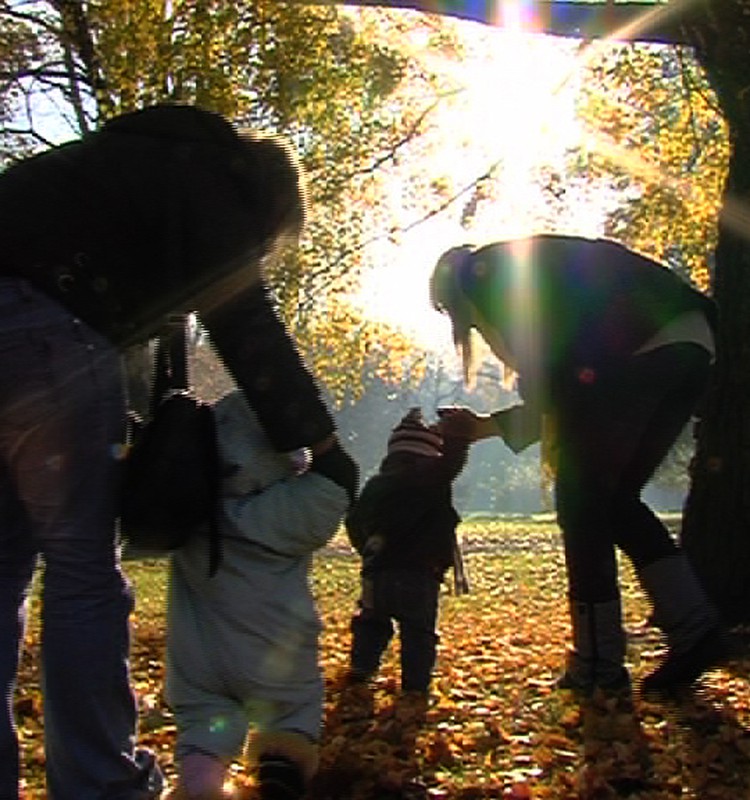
point(616, 349)
point(163, 211)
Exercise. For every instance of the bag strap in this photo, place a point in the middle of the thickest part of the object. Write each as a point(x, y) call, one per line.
point(171, 372)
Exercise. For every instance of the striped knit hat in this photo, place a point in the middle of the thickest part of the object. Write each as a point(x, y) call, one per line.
point(411, 435)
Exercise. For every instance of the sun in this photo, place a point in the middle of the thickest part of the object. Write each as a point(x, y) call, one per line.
point(515, 109)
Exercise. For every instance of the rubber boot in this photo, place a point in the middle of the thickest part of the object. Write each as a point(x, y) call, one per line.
point(280, 778)
point(286, 763)
point(598, 654)
point(690, 623)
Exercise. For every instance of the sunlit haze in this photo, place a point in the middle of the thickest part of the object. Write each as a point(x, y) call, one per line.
point(514, 109)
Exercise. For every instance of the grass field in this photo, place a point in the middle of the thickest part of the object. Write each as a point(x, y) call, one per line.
point(494, 726)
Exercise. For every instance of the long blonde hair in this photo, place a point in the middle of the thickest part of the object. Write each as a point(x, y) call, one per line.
point(448, 295)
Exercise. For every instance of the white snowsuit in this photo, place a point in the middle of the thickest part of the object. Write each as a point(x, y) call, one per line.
point(242, 645)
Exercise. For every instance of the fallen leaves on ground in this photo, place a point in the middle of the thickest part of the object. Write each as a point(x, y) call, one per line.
point(494, 726)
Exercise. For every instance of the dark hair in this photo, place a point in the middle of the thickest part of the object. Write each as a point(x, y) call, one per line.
point(269, 166)
point(232, 174)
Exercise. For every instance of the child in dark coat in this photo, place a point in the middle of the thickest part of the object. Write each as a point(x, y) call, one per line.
point(404, 527)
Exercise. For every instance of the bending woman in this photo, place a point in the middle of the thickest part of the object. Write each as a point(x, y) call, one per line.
point(617, 349)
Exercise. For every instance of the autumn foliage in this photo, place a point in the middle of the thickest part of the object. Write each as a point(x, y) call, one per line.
point(494, 726)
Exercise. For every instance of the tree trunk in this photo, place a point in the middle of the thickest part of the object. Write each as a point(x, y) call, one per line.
point(716, 523)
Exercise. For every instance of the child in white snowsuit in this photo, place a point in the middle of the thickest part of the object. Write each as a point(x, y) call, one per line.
point(242, 644)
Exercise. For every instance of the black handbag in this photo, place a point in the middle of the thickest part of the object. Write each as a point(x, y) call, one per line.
point(171, 469)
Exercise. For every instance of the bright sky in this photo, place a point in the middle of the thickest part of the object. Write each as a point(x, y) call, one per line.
point(517, 107)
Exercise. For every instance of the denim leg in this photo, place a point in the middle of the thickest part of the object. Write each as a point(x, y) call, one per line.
point(682, 371)
point(372, 628)
point(61, 423)
point(17, 561)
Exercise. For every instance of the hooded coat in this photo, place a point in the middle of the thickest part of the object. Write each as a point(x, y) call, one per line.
point(564, 304)
point(163, 211)
point(404, 517)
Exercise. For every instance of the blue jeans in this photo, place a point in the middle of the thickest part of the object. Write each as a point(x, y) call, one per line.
point(62, 413)
point(410, 597)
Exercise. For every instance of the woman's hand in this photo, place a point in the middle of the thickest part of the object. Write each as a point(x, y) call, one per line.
point(463, 422)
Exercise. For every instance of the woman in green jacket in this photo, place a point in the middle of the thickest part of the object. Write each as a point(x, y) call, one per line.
point(617, 350)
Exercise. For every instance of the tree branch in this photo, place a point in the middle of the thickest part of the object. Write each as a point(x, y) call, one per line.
point(78, 36)
point(39, 73)
point(27, 132)
point(32, 18)
point(405, 139)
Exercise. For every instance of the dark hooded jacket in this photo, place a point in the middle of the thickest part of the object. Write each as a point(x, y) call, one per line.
point(404, 516)
point(565, 304)
point(164, 211)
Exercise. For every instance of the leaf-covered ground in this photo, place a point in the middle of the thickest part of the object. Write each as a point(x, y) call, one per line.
point(494, 726)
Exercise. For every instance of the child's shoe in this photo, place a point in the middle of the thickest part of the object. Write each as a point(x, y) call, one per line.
point(201, 777)
point(279, 778)
point(179, 794)
point(411, 707)
point(356, 677)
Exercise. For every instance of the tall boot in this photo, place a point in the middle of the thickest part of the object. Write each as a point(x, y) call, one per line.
point(598, 653)
point(689, 621)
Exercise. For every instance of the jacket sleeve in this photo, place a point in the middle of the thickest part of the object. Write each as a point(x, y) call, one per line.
point(261, 356)
point(360, 520)
point(292, 517)
point(520, 425)
point(337, 465)
point(455, 454)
